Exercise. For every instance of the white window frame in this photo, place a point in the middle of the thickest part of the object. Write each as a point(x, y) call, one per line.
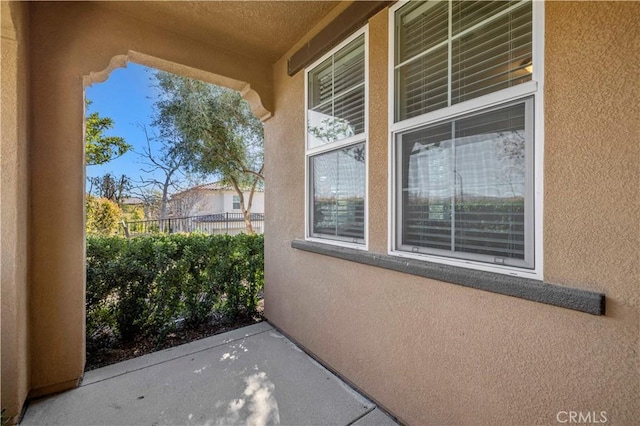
point(335, 146)
point(233, 202)
point(533, 88)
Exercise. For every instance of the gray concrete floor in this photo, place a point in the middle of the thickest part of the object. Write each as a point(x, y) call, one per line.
point(253, 375)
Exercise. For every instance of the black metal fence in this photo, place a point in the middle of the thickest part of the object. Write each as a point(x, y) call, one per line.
point(220, 223)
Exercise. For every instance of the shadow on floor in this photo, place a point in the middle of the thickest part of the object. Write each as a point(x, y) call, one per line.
point(252, 375)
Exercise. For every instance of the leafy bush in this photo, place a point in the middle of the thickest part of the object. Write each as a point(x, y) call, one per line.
point(145, 284)
point(103, 216)
point(133, 213)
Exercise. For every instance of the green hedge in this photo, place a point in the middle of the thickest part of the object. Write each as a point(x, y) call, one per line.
point(144, 285)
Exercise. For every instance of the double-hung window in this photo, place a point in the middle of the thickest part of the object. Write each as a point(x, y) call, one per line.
point(465, 133)
point(336, 144)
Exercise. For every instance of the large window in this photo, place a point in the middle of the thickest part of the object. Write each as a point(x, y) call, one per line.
point(336, 152)
point(464, 133)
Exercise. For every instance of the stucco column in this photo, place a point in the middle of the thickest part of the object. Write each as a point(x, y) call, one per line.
point(14, 206)
point(57, 226)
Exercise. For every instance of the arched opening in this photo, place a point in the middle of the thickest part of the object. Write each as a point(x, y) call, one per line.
point(244, 88)
point(136, 303)
point(56, 156)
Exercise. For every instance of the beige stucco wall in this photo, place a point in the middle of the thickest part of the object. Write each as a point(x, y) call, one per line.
point(257, 204)
point(204, 202)
point(74, 44)
point(14, 211)
point(437, 353)
point(208, 202)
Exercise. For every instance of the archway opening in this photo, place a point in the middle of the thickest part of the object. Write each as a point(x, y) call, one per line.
point(174, 208)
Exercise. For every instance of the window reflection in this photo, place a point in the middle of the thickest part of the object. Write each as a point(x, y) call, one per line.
point(338, 193)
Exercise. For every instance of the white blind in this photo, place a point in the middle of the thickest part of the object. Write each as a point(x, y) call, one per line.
point(489, 49)
point(338, 193)
point(336, 97)
point(463, 185)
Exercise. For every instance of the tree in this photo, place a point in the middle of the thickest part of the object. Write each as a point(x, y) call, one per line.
point(110, 187)
point(182, 203)
point(151, 201)
point(100, 149)
point(169, 161)
point(219, 134)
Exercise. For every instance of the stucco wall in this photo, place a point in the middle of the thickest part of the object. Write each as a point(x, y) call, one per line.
point(207, 202)
point(257, 205)
point(437, 353)
point(74, 43)
point(14, 210)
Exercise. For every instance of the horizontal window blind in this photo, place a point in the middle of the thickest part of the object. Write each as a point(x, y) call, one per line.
point(492, 57)
point(349, 66)
point(349, 108)
point(336, 98)
point(422, 26)
point(338, 194)
point(466, 14)
point(424, 84)
point(336, 178)
point(463, 185)
point(490, 49)
point(321, 84)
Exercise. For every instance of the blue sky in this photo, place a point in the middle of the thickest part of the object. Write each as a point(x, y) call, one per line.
point(127, 97)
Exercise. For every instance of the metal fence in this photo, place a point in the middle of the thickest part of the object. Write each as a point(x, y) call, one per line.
point(220, 223)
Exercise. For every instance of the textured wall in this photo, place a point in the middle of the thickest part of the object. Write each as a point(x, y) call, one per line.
point(14, 208)
point(592, 145)
point(378, 136)
point(437, 353)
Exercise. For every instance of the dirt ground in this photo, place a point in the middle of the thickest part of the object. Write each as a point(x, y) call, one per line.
point(100, 354)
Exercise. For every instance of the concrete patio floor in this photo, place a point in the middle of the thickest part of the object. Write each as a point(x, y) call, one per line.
point(252, 375)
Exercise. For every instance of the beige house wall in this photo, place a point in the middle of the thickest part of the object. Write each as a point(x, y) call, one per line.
point(197, 202)
point(222, 202)
point(437, 353)
point(257, 204)
point(14, 207)
point(206, 201)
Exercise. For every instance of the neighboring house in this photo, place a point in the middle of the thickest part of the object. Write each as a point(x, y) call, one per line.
point(136, 209)
point(212, 198)
point(133, 202)
point(457, 274)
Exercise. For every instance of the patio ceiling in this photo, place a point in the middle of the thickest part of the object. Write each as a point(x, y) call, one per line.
point(261, 30)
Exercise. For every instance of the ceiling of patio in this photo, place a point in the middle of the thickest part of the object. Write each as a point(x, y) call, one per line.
point(261, 30)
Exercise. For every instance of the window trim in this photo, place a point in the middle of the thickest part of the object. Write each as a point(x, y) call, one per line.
point(533, 88)
point(337, 145)
point(527, 103)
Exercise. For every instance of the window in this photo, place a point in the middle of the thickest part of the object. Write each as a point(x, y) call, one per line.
point(466, 115)
point(236, 202)
point(336, 144)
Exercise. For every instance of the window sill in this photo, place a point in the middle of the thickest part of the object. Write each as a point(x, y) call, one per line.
point(525, 288)
point(338, 243)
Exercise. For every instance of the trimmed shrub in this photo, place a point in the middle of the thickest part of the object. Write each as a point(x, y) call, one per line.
point(144, 285)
